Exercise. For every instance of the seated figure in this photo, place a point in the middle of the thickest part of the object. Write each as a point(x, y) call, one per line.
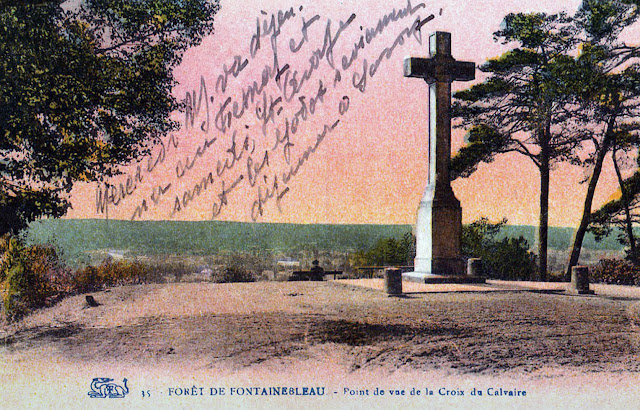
point(316, 272)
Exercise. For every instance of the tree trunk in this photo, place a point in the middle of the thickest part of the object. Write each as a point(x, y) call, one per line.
point(625, 202)
point(586, 212)
point(543, 227)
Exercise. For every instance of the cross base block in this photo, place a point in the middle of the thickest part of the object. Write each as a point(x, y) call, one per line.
point(422, 277)
point(441, 270)
point(572, 291)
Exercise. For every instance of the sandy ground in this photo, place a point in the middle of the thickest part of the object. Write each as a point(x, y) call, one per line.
point(349, 338)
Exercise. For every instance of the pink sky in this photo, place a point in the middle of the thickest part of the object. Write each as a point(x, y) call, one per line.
point(372, 167)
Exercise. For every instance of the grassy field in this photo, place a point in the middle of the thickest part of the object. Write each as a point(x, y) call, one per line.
point(560, 238)
point(79, 237)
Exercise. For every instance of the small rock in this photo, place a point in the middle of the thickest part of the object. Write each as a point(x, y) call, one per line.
point(91, 301)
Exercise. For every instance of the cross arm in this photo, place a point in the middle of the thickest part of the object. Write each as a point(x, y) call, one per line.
point(431, 68)
point(419, 67)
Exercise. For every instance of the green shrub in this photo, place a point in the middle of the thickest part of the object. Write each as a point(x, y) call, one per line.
point(508, 258)
point(616, 272)
point(31, 277)
point(387, 252)
point(110, 273)
point(233, 274)
point(35, 276)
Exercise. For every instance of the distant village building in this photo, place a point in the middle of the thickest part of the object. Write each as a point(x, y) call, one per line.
point(288, 264)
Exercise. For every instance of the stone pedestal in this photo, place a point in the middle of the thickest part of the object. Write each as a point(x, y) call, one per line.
point(438, 236)
point(580, 281)
point(438, 241)
point(393, 282)
point(438, 233)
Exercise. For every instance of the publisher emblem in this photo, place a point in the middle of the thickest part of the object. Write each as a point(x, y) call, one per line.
point(106, 388)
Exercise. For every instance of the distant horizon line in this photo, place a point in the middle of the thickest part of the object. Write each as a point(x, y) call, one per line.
point(269, 223)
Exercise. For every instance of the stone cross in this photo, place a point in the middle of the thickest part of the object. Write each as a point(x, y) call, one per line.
point(439, 224)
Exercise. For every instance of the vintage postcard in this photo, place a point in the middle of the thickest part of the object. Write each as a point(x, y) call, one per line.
point(319, 204)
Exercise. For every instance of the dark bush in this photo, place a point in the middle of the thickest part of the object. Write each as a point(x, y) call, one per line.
point(556, 276)
point(616, 272)
point(233, 274)
point(508, 258)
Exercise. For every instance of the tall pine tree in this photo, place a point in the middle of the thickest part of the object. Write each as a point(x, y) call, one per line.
point(524, 105)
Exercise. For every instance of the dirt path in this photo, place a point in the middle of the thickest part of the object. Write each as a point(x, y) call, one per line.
point(247, 324)
point(283, 327)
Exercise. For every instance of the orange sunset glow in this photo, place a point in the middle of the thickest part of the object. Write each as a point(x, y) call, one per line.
point(359, 152)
